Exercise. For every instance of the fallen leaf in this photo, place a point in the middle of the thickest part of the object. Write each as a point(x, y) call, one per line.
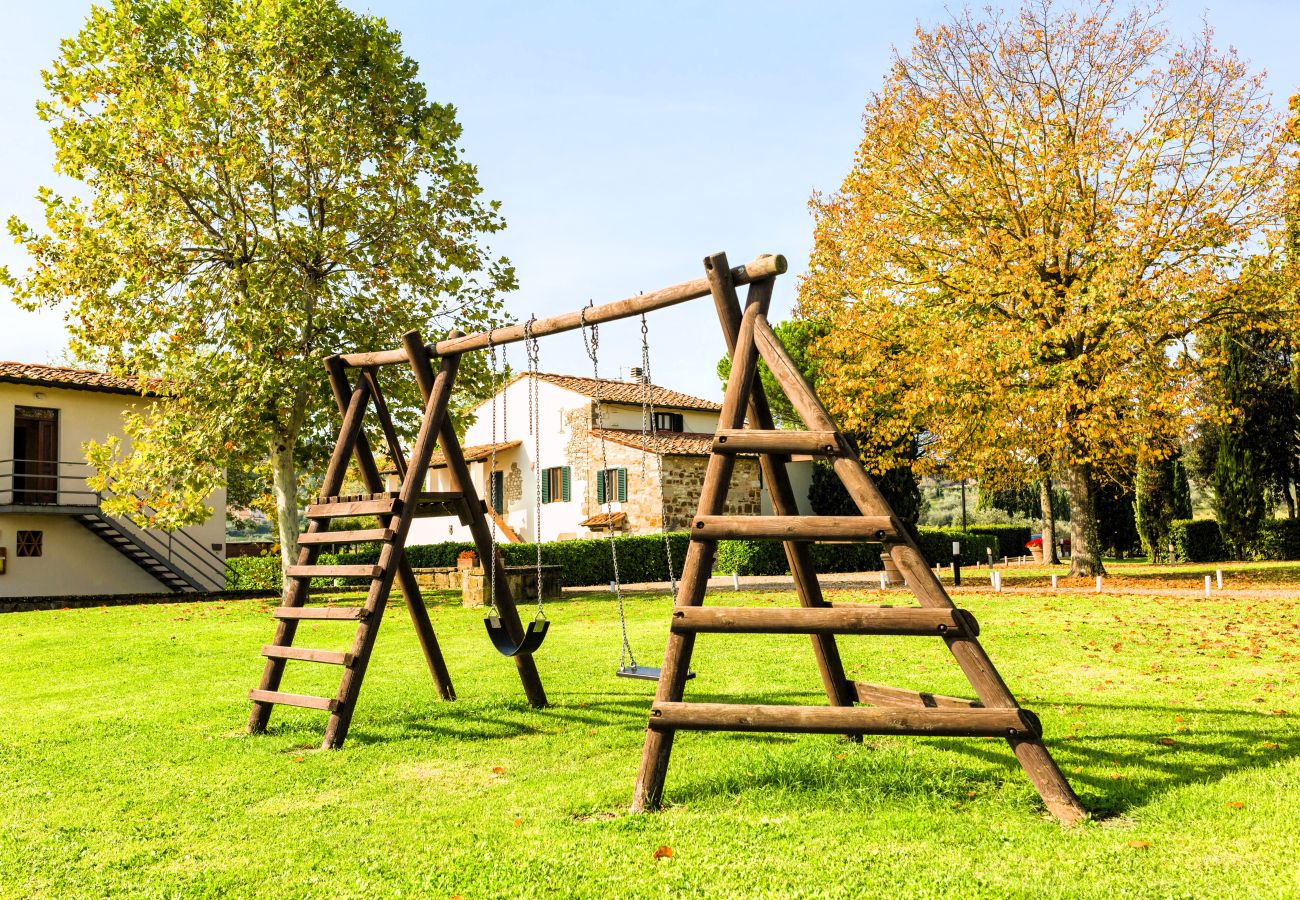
point(1168, 742)
point(663, 853)
point(498, 770)
point(1139, 845)
point(519, 821)
point(841, 756)
point(299, 758)
point(1234, 804)
point(1269, 745)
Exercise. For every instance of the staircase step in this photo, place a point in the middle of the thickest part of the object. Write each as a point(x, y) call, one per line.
point(748, 440)
point(330, 657)
point(346, 537)
point(321, 613)
point(843, 719)
point(304, 700)
point(823, 620)
point(796, 528)
point(333, 571)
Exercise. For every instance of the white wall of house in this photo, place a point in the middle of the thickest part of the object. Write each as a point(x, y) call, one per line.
point(73, 560)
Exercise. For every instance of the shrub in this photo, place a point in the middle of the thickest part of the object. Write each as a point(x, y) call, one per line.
point(253, 573)
point(1197, 540)
point(1011, 539)
point(1277, 540)
point(768, 557)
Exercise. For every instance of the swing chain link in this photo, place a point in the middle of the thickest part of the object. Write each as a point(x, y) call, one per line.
point(534, 426)
point(650, 427)
point(592, 346)
point(491, 480)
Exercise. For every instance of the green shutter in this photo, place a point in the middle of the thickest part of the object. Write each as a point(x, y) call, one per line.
point(564, 483)
point(622, 485)
point(600, 486)
point(546, 485)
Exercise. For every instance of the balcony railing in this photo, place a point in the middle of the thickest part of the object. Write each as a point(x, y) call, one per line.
point(61, 486)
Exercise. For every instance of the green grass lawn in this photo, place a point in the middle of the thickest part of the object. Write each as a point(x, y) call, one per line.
point(126, 771)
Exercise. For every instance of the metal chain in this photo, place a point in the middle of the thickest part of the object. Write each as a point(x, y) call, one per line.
point(592, 346)
point(535, 426)
point(492, 467)
point(648, 424)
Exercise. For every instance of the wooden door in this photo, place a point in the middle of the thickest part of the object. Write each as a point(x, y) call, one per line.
point(36, 455)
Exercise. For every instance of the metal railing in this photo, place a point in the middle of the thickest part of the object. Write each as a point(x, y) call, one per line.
point(63, 483)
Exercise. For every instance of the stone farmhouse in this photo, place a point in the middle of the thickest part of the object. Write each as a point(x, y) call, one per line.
point(55, 538)
point(619, 475)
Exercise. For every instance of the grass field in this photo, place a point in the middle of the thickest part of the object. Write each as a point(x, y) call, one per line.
point(126, 771)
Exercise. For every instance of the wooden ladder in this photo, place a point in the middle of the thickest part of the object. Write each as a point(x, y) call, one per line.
point(892, 710)
point(394, 512)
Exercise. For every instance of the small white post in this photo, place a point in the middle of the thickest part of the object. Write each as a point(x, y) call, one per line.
point(613, 587)
point(1207, 585)
point(997, 581)
point(1099, 584)
point(1218, 578)
point(1053, 582)
point(735, 581)
point(883, 584)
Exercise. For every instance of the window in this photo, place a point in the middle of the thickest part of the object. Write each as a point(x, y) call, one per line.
point(555, 484)
point(611, 484)
point(497, 492)
point(665, 421)
point(29, 543)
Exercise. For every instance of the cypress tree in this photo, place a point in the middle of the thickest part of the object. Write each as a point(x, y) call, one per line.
point(1239, 476)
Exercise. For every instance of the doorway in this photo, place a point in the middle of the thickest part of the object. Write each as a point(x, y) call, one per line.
point(36, 455)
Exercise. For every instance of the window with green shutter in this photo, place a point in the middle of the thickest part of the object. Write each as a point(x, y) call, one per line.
point(555, 484)
point(611, 483)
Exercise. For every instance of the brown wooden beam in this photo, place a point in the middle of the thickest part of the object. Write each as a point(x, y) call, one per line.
point(884, 695)
point(782, 441)
point(880, 529)
point(842, 719)
point(900, 620)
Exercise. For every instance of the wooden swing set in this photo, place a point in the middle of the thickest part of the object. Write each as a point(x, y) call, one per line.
point(745, 427)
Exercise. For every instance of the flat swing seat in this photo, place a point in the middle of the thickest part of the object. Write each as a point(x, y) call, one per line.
point(645, 673)
point(500, 638)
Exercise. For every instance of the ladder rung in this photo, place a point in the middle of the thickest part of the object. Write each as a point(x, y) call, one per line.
point(326, 571)
point(823, 620)
point(304, 700)
point(796, 528)
point(346, 537)
point(749, 440)
point(320, 612)
point(843, 719)
point(330, 657)
point(360, 498)
point(353, 508)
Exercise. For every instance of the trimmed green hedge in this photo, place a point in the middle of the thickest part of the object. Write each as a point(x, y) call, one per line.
point(768, 557)
point(1011, 538)
point(1199, 540)
point(584, 562)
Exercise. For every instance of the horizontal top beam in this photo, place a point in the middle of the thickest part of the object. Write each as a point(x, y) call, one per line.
point(766, 266)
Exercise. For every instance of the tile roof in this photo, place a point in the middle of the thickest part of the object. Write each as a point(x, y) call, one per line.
point(72, 379)
point(603, 520)
point(615, 391)
point(669, 443)
point(473, 454)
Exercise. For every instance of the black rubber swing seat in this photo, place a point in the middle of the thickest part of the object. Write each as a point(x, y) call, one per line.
point(645, 673)
point(533, 637)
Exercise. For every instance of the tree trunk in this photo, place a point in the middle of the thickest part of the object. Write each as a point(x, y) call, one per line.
point(1085, 549)
point(1049, 520)
point(284, 484)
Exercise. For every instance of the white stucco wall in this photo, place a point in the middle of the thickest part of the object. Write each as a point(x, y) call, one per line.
point(74, 561)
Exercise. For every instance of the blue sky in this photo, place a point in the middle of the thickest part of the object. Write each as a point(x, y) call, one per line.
point(626, 141)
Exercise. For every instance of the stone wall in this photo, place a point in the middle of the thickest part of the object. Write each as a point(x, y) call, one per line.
point(684, 478)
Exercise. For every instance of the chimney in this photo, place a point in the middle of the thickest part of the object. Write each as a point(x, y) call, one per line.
point(636, 374)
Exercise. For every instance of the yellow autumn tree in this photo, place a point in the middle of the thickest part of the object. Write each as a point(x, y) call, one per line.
point(1045, 207)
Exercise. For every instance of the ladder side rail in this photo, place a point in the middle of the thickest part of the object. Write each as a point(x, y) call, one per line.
point(839, 690)
point(974, 662)
point(352, 404)
point(371, 374)
point(700, 553)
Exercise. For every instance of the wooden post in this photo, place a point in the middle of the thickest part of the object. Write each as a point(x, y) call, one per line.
point(700, 554)
point(978, 668)
point(807, 588)
point(479, 530)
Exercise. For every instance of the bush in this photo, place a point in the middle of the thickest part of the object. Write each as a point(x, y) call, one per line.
point(1011, 539)
point(582, 563)
point(1197, 540)
point(1277, 540)
point(768, 557)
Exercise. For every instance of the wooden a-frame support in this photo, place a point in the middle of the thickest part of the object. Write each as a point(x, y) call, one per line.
point(394, 511)
point(892, 710)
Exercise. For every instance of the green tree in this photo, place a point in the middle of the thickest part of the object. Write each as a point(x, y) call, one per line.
point(262, 182)
point(1159, 498)
point(796, 335)
point(1239, 472)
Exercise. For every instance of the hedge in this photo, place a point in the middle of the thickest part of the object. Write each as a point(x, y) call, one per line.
point(582, 562)
point(768, 557)
point(1199, 540)
point(1011, 538)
